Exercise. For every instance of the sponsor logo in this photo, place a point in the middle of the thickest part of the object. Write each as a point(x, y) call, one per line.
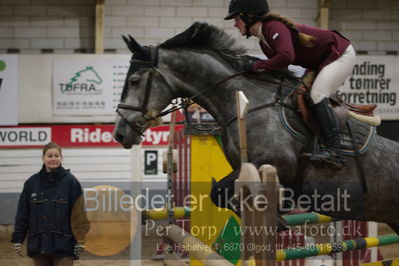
point(85, 81)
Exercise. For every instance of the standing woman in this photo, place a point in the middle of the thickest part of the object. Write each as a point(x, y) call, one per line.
point(326, 52)
point(44, 213)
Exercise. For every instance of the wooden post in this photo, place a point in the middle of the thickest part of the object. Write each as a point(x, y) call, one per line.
point(245, 186)
point(99, 38)
point(259, 213)
point(268, 219)
point(242, 107)
point(252, 184)
point(323, 18)
point(170, 167)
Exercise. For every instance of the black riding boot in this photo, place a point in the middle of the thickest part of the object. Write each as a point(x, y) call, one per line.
point(330, 150)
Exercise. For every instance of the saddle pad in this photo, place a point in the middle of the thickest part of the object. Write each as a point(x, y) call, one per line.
point(293, 122)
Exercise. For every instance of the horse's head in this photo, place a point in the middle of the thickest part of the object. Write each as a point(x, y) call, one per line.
point(143, 95)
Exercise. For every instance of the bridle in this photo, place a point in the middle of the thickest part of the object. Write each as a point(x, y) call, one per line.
point(151, 117)
point(140, 124)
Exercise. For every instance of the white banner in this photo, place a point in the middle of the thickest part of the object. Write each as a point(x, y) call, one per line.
point(87, 87)
point(8, 90)
point(375, 79)
point(24, 136)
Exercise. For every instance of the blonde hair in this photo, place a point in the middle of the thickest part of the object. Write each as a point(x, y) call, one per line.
point(51, 145)
point(305, 39)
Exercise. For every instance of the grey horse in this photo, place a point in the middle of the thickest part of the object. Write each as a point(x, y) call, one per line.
point(202, 64)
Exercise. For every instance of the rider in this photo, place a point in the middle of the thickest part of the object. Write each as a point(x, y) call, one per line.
point(326, 52)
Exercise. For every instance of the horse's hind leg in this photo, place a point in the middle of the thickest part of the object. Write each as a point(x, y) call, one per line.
point(395, 227)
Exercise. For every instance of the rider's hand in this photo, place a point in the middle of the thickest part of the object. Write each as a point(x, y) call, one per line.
point(18, 249)
point(78, 249)
point(248, 67)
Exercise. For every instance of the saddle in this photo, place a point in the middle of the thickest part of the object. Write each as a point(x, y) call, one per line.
point(357, 122)
point(343, 110)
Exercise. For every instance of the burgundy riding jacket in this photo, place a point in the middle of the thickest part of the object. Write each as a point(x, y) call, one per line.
point(283, 47)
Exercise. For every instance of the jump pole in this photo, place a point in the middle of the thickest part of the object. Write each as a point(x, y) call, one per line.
point(290, 220)
point(331, 248)
point(195, 247)
point(307, 218)
point(161, 214)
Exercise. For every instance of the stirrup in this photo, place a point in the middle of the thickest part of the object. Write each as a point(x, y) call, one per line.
point(310, 155)
point(314, 160)
point(320, 160)
point(331, 158)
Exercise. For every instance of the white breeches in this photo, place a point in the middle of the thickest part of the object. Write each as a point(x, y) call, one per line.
point(333, 75)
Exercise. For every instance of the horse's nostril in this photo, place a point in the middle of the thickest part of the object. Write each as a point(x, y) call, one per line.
point(119, 137)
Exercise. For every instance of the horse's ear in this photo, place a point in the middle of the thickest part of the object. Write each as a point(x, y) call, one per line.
point(127, 43)
point(133, 45)
point(136, 46)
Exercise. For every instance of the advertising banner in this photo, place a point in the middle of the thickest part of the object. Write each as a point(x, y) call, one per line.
point(87, 87)
point(374, 80)
point(93, 87)
point(8, 90)
point(75, 136)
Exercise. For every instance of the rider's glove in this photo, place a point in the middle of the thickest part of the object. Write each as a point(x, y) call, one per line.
point(78, 249)
point(18, 249)
point(249, 67)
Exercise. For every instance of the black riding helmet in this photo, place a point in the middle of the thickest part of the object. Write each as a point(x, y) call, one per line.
point(254, 7)
point(249, 11)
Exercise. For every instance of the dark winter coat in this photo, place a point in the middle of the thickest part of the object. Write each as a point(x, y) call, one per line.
point(44, 213)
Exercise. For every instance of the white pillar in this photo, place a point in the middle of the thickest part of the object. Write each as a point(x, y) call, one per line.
point(373, 232)
point(135, 190)
point(335, 239)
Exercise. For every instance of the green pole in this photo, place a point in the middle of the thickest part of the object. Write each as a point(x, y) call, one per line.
point(291, 220)
point(306, 218)
point(328, 248)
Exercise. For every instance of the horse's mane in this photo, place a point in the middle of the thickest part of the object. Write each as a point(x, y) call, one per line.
point(203, 36)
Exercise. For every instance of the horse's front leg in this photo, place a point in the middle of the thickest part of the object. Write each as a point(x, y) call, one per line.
point(222, 193)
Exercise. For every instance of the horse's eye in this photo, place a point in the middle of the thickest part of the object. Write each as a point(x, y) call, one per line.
point(134, 81)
